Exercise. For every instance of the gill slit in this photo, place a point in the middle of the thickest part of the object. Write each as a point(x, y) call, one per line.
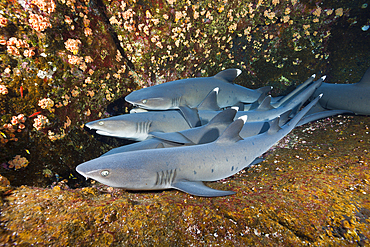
point(176, 101)
point(165, 177)
point(143, 127)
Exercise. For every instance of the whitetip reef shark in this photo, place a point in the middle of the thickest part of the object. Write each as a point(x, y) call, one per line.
point(349, 97)
point(185, 168)
point(140, 126)
point(190, 92)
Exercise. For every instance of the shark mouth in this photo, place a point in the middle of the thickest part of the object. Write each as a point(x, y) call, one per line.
point(104, 133)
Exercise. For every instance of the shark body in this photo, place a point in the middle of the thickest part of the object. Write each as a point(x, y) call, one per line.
point(190, 92)
point(351, 97)
point(185, 168)
point(138, 126)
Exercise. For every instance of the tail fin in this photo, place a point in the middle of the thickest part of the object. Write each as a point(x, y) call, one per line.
point(303, 96)
point(303, 112)
point(294, 92)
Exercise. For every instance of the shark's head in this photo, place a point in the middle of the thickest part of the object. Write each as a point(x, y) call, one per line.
point(153, 98)
point(112, 170)
point(121, 126)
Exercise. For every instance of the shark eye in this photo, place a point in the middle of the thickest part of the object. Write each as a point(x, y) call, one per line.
point(104, 173)
point(101, 123)
point(144, 101)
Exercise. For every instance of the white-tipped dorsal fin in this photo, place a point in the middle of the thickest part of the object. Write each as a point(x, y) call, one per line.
point(228, 75)
point(244, 118)
point(264, 90)
point(231, 133)
point(323, 77)
point(210, 101)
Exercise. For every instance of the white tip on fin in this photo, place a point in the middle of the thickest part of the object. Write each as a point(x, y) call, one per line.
point(313, 76)
point(244, 118)
point(238, 72)
point(235, 108)
point(320, 95)
point(216, 89)
point(323, 77)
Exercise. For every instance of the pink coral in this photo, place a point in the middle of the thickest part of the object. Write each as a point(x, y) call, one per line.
point(47, 6)
point(40, 122)
point(38, 22)
point(46, 103)
point(72, 45)
point(29, 53)
point(3, 21)
point(3, 89)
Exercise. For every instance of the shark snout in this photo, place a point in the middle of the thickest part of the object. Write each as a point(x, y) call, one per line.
point(88, 126)
point(82, 169)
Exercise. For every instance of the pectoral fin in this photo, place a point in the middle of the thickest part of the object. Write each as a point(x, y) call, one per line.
point(190, 115)
point(319, 115)
point(172, 137)
point(199, 189)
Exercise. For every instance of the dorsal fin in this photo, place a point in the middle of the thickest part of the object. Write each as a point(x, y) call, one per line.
point(264, 90)
point(231, 133)
point(274, 126)
point(176, 137)
point(365, 80)
point(206, 133)
point(210, 101)
point(265, 105)
point(224, 117)
point(228, 75)
point(190, 115)
point(257, 103)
